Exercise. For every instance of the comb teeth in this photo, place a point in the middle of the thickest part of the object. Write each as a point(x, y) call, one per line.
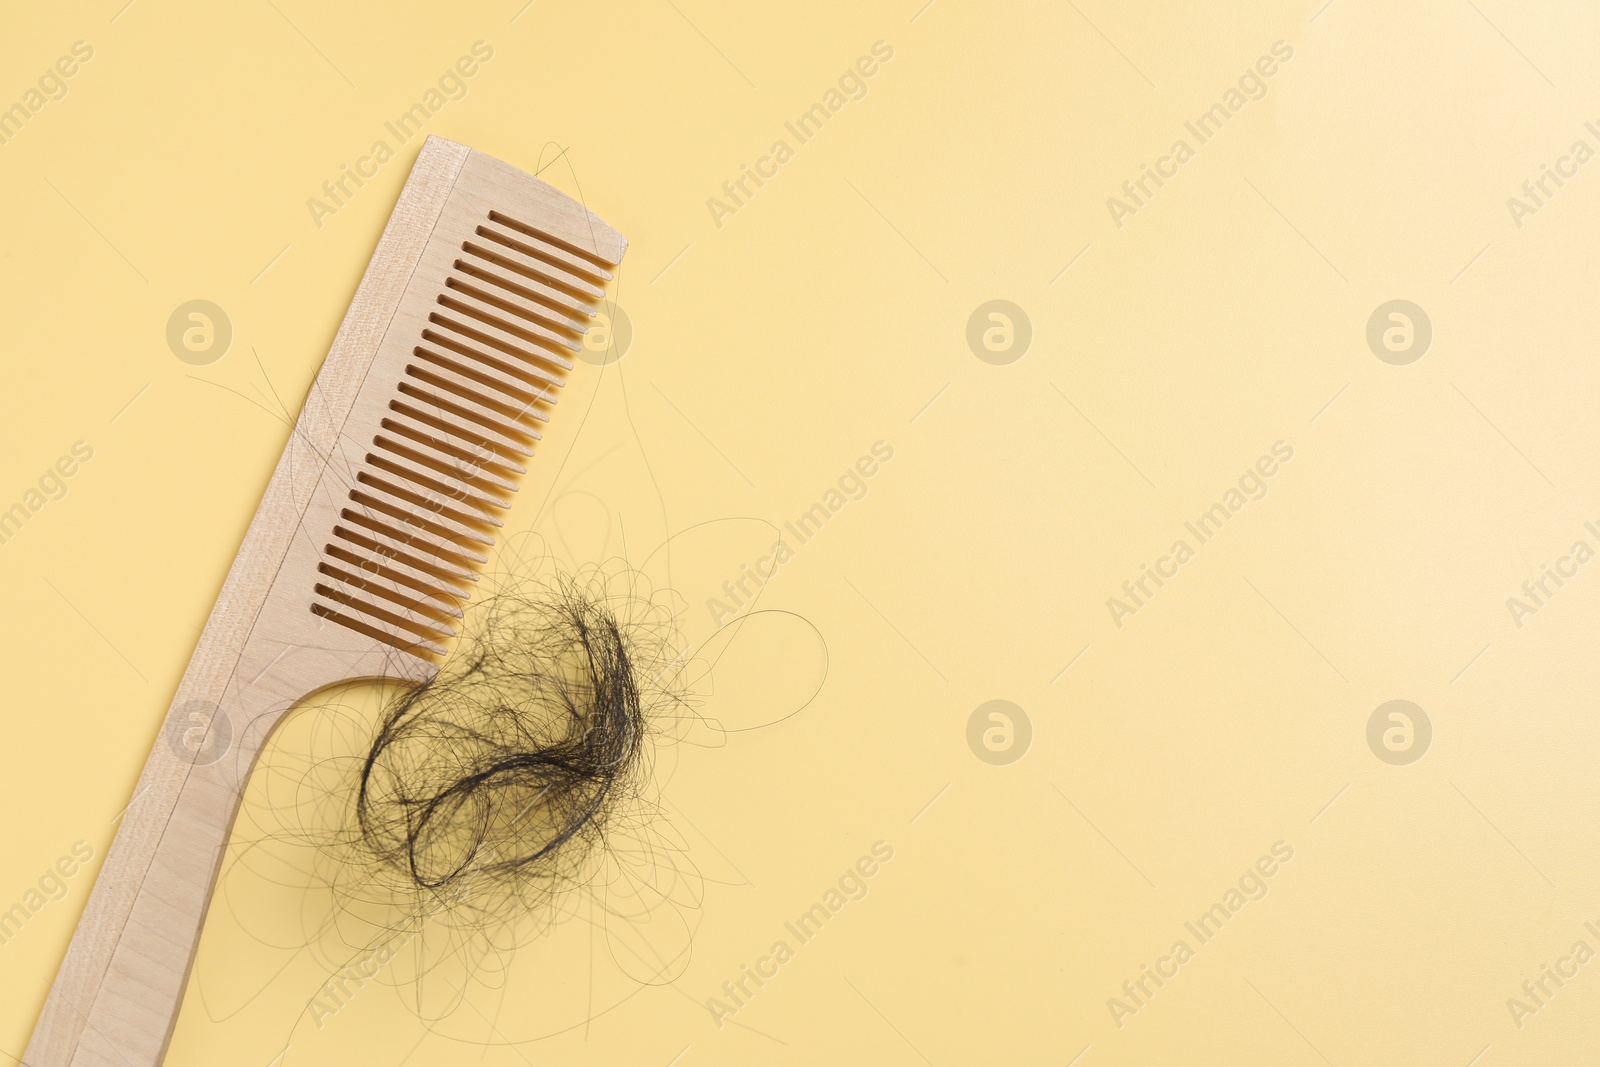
point(488, 356)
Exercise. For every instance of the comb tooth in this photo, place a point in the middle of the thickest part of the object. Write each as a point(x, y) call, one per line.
point(465, 305)
point(481, 423)
point(433, 549)
point(526, 289)
point(463, 494)
point(477, 357)
point(447, 520)
point(503, 327)
point(478, 333)
point(452, 515)
point(473, 464)
point(418, 529)
point(441, 574)
point(441, 414)
point(467, 474)
point(538, 247)
point(385, 634)
point(363, 581)
point(481, 445)
point(517, 376)
point(514, 305)
point(518, 407)
point(590, 255)
point(536, 261)
point(382, 611)
point(529, 272)
point(478, 404)
point(400, 576)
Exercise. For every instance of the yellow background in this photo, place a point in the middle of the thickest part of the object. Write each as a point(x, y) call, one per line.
point(772, 351)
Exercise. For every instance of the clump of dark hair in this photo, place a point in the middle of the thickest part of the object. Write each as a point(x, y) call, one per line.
point(506, 766)
point(421, 838)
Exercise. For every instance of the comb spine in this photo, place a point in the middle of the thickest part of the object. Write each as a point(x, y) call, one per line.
point(115, 997)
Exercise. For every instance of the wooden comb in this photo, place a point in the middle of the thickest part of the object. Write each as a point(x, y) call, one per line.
point(357, 564)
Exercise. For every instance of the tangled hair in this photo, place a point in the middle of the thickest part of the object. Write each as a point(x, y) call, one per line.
point(506, 766)
point(420, 838)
